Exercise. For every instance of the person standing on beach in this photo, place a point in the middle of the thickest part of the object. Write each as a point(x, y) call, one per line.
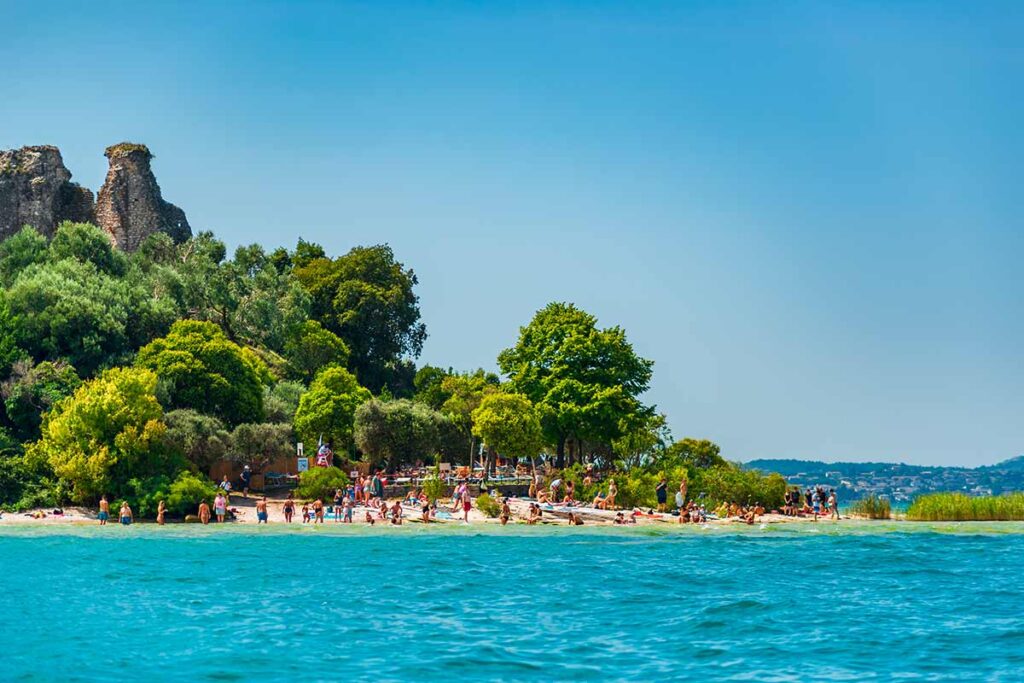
point(204, 512)
point(681, 498)
point(104, 514)
point(506, 511)
point(261, 510)
point(833, 504)
point(161, 508)
point(376, 486)
point(220, 506)
point(126, 514)
point(337, 505)
point(225, 486)
point(467, 505)
point(349, 505)
point(661, 492)
point(318, 511)
point(246, 477)
point(288, 509)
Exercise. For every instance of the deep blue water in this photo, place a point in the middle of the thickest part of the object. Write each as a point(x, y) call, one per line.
point(804, 604)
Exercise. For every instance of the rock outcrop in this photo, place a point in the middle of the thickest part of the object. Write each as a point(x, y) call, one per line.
point(36, 190)
point(129, 205)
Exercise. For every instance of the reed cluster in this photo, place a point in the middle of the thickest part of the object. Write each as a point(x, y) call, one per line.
point(957, 507)
point(872, 507)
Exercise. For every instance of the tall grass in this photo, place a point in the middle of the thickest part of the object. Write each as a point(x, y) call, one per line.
point(872, 507)
point(957, 507)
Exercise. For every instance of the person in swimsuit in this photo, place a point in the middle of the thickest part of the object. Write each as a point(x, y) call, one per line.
point(535, 514)
point(613, 490)
point(161, 508)
point(318, 511)
point(425, 511)
point(337, 505)
point(104, 514)
point(305, 512)
point(349, 505)
point(467, 505)
point(261, 510)
point(204, 512)
point(289, 509)
point(126, 514)
point(506, 512)
point(661, 492)
point(220, 507)
point(396, 513)
point(369, 518)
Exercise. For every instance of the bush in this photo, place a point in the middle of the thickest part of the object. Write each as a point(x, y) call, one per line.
point(187, 491)
point(488, 505)
point(872, 507)
point(948, 507)
point(434, 487)
point(321, 482)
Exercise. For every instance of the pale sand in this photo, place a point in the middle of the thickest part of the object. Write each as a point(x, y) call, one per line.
point(245, 513)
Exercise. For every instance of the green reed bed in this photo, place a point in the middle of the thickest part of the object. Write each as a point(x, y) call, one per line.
point(872, 507)
point(957, 507)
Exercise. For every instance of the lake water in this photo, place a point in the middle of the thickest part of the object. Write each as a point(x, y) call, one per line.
point(940, 602)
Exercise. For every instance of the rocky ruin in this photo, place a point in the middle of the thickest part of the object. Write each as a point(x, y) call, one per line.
point(36, 190)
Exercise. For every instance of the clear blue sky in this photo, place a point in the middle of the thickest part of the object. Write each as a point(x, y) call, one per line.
point(807, 214)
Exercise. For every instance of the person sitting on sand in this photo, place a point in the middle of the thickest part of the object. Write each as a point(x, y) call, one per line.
point(261, 510)
point(570, 492)
point(318, 511)
point(204, 512)
point(506, 512)
point(369, 518)
point(599, 501)
point(126, 514)
point(220, 504)
point(543, 496)
point(535, 514)
point(396, 513)
point(104, 514)
point(161, 508)
point(619, 518)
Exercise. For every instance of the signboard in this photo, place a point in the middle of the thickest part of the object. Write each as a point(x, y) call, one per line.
point(303, 465)
point(298, 449)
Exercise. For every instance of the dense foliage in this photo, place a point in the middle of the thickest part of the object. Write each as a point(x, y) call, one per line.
point(957, 507)
point(134, 375)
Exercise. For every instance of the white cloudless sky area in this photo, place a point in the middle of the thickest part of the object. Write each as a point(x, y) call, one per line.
point(807, 214)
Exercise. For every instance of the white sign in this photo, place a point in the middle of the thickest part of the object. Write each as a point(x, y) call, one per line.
point(298, 449)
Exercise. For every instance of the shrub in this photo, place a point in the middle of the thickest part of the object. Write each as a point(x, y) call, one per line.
point(488, 505)
point(186, 492)
point(320, 482)
point(872, 507)
point(942, 507)
point(434, 487)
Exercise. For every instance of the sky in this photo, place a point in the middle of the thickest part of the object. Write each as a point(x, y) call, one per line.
point(807, 214)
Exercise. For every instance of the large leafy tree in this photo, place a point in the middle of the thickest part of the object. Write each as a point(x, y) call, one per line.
point(310, 347)
point(200, 438)
point(203, 370)
point(31, 390)
point(396, 432)
point(258, 444)
point(584, 380)
point(366, 297)
point(328, 408)
point(19, 251)
point(106, 433)
point(508, 424)
point(464, 393)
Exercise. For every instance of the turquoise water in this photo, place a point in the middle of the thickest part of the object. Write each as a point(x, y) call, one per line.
point(801, 604)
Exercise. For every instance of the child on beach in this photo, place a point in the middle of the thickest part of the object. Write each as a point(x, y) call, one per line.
point(305, 512)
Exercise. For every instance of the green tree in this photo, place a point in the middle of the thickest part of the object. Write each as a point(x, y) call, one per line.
point(256, 445)
point(396, 432)
point(200, 438)
point(328, 409)
point(696, 453)
point(427, 385)
point(464, 394)
point(643, 439)
point(10, 352)
point(86, 243)
point(508, 423)
point(281, 400)
point(310, 347)
point(31, 390)
point(366, 297)
point(204, 370)
point(19, 251)
point(106, 433)
point(583, 380)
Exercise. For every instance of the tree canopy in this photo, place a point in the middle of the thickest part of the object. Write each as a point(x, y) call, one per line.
point(583, 380)
point(509, 424)
point(203, 370)
point(399, 431)
point(328, 408)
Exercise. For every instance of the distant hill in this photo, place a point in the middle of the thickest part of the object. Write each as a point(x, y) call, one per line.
point(897, 481)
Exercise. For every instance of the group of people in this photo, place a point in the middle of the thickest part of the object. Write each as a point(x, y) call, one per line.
point(814, 501)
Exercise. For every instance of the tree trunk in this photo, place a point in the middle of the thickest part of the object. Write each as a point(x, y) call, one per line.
point(560, 454)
